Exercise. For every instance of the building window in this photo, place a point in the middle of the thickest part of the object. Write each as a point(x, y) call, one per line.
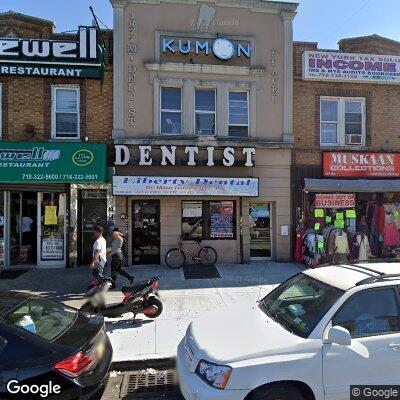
point(205, 111)
point(171, 111)
point(208, 220)
point(65, 119)
point(238, 114)
point(342, 121)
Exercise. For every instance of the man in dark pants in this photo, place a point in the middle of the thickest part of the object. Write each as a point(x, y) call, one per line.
point(99, 259)
point(117, 257)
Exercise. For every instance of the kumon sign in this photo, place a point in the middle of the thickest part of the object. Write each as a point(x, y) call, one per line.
point(333, 66)
point(361, 165)
point(81, 58)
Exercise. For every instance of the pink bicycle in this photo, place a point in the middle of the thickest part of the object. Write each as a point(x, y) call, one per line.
point(177, 257)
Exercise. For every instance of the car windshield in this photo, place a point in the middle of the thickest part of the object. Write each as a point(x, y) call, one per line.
point(43, 317)
point(300, 303)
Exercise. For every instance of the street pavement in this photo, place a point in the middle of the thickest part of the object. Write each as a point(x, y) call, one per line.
point(184, 300)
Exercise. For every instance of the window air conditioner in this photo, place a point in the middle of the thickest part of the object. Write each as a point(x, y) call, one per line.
point(354, 139)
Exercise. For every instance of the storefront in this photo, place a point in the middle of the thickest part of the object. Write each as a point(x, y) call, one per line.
point(231, 208)
point(357, 201)
point(37, 206)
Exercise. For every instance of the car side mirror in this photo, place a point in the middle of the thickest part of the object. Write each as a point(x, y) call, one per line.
point(339, 335)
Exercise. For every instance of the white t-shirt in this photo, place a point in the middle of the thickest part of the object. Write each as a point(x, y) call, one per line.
point(101, 245)
point(26, 224)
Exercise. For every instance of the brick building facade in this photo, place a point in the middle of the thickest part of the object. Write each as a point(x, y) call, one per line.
point(29, 115)
point(379, 101)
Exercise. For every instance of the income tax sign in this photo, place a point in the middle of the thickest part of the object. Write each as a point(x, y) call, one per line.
point(333, 66)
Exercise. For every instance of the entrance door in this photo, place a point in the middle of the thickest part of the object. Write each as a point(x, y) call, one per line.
point(52, 235)
point(93, 213)
point(260, 230)
point(146, 232)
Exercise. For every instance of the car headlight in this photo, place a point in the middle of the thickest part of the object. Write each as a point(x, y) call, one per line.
point(213, 374)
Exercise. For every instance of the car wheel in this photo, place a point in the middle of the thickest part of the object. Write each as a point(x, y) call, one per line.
point(278, 393)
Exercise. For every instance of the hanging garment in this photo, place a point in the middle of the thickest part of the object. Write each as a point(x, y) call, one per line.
point(364, 249)
point(355, 249)
point(299, 246)
point(391, 235)
point(380, 222)
point(342, 244)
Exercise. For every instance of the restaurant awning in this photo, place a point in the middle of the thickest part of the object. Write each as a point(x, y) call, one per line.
point(351, 185)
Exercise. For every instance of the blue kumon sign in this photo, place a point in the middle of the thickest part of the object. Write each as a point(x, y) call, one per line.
point(222, 48)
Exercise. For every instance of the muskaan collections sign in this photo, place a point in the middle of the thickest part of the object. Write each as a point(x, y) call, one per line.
point(81, 58)
point(361, 165)
point(184, 186)
point(334, 66)
point(22, 162)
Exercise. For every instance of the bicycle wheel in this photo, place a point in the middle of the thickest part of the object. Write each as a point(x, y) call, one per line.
point(175, 258)
point(208, 256)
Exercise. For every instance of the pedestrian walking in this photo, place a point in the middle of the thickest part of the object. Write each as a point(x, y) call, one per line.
point(99, 259)
point(117, 257)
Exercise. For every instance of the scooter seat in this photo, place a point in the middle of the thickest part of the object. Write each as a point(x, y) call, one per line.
point(135, 288)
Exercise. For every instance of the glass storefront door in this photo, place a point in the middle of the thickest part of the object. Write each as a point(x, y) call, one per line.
point(260, 230)
point(146, 232)
point(32, 228)
point(52, 229)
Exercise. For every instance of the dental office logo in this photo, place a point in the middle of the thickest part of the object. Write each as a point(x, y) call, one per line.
point(41, 57)
point(206, 19)
point(82, 158)
point(222, 48)
point(35, 157)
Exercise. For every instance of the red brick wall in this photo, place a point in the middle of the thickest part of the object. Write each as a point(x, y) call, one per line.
point(382, 104)
point(27, 100)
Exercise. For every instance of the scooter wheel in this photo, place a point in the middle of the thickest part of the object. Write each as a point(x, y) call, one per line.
point(152, 308)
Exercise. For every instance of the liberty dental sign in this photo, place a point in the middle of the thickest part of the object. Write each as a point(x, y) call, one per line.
point(81, 58)
point(351, 67)
point(223, 49)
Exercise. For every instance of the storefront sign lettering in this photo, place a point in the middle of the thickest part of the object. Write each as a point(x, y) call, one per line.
point(333, 66)
point(168, 155)
point(222, 48)
point(41, 57)
point(335, 200)
point(52, 162)
point(348, 164)
point(184, 186)
point(131, 77)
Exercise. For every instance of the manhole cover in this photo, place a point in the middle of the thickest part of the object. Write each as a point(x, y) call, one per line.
point(150, 384)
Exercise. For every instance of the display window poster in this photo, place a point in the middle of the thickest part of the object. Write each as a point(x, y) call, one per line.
point(334, 200)
point(52, 249)
point(222, 220)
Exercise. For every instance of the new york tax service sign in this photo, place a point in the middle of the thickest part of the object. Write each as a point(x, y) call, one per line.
point(184, 186)
point(23, 162)
point(80, 58)
point(333, 66)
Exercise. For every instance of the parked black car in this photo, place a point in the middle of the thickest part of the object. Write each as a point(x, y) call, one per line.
point(47, 346)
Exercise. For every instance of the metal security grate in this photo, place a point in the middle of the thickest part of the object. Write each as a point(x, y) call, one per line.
point(150, 384)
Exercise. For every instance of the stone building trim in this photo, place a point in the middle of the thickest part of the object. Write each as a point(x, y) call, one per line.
point(288, 76)
point(341, 92)
point(118, 67)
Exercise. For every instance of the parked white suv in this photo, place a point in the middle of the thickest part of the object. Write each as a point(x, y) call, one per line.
point(309, 339)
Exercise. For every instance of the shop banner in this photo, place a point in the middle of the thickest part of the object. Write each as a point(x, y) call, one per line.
point(333, 66)
point(335, 200)
point(361, 165)
point(184, 186)
point(51, 162)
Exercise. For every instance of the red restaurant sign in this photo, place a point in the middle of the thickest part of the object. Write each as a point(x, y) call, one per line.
point(361, 165)
point(335, 200)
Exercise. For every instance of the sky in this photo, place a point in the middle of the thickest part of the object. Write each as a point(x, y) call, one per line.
point(322, 21)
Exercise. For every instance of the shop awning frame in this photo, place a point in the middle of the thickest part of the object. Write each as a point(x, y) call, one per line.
point(351, 185)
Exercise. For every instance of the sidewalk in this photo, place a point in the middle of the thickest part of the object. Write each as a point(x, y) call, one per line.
point(184, 300)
